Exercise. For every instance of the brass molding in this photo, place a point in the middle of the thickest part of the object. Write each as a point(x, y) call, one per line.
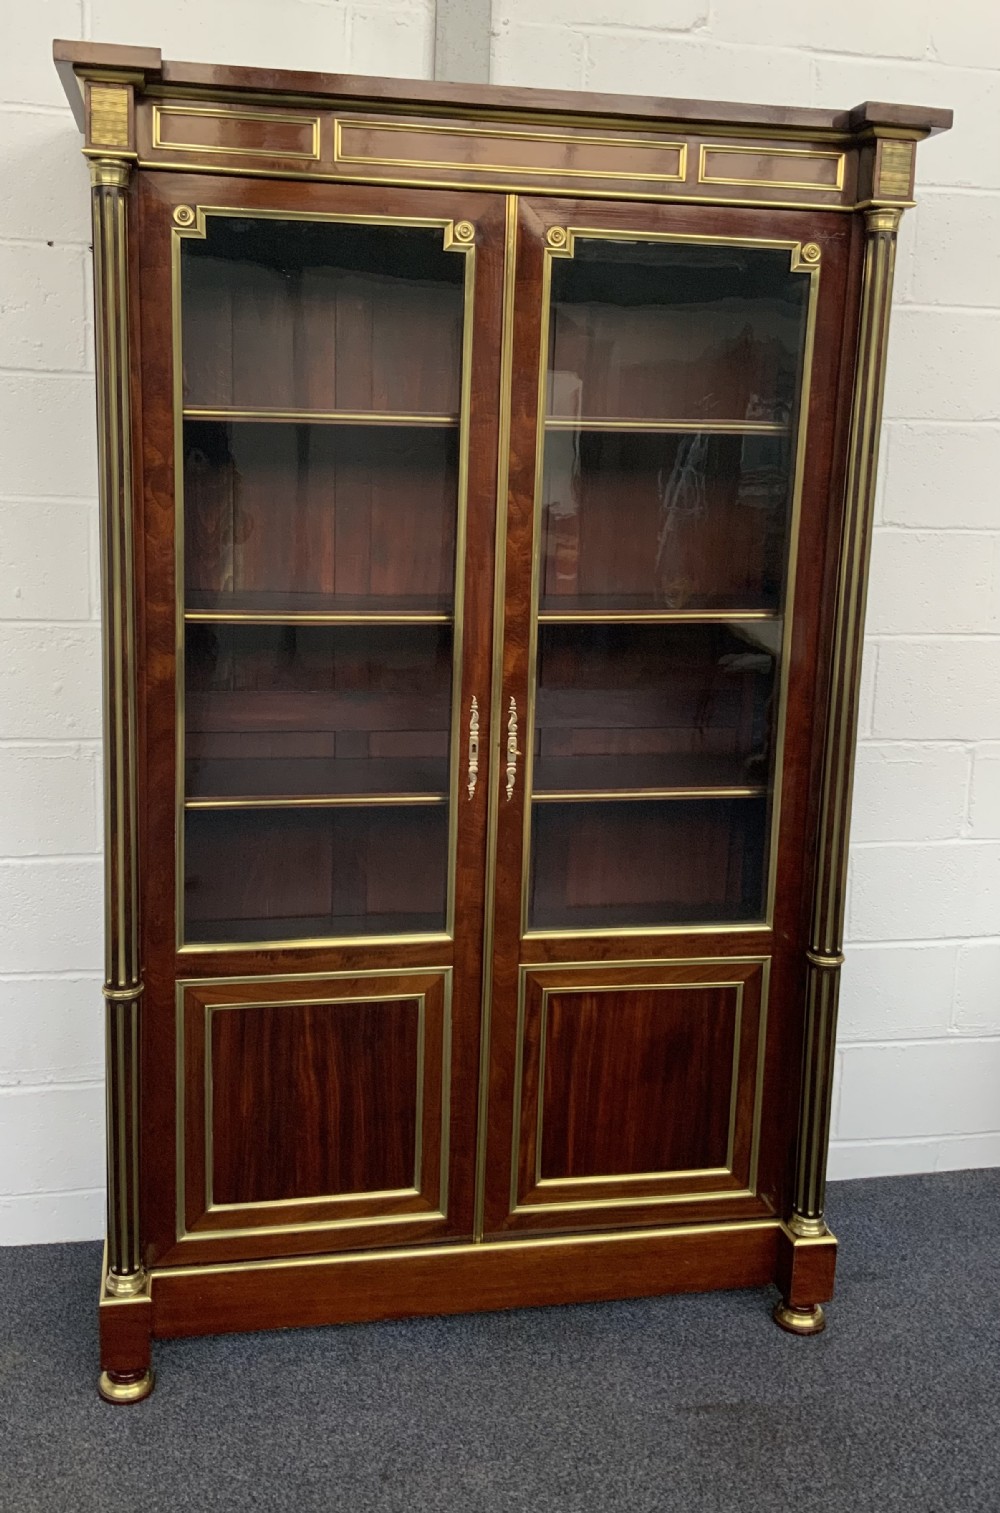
point(110, 173)
point(556, 236)
point(809, 154)
point(220, 113)
point(803, 1321)
point(123, 995)
point(883, 218)
point(184, 215)
point(464, 231)
point(806, 1229)
point(119, 1388)
point(126, 1285)
point(811, 252)
point(831, 963)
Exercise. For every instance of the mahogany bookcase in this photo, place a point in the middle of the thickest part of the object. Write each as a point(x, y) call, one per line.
point(486, 482)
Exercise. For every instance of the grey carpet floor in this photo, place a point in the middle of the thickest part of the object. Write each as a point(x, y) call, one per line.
point(695, 1404)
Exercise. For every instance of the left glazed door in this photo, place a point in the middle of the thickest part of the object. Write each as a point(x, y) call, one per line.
point(318, 387)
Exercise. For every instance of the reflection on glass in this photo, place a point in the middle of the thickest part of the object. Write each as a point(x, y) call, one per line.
point(674, 374)
point(321, 387)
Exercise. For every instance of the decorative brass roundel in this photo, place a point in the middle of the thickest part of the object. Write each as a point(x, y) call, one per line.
point(184, 215)
point(556, 236)
point(811, 253)
point(464, 231)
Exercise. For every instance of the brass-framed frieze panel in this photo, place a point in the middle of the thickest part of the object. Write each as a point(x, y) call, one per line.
point(312, 1112)
point(592, 1040)
point(611, 161)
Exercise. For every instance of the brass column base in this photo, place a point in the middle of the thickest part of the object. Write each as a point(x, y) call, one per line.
point(125, 1386)
point(810, 1320)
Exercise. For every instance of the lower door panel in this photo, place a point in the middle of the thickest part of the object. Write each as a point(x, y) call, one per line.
point(312, 1112)
point(636, 1094)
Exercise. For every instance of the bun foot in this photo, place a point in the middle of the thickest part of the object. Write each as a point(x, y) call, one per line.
point(125, 1386)
point(810, 1320)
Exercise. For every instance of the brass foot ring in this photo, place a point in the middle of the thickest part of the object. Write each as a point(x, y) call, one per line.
point(800, 1320)
point(125, 1386)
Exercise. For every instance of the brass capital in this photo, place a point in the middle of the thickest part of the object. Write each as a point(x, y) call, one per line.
point(882, 218)
point(122, 995)
point(110, 173)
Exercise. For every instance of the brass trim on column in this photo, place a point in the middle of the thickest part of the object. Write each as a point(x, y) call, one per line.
point(825, 954)
point(123, 985)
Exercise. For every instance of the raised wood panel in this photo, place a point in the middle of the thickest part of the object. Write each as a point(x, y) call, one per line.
point(636, 1095)
point(314, 1100)
point(313, 1111)
point(634, 1080)
point(231, 130)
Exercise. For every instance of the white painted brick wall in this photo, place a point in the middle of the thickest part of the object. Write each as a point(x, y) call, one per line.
point(919, 1085)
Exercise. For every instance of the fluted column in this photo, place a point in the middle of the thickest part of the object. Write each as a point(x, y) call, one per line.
point(123, 985)
point(825, 954)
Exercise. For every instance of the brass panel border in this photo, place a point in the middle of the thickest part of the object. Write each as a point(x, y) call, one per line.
point(211, 1009)
point(192, 223)
point(704, 177)
point(725, 1170)
point(506, 188)
point(504, 134)
point(723, 962)
point(804, 257)
point(182, 1233)
point(219, 113)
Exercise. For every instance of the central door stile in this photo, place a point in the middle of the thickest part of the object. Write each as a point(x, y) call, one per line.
point(493, 764)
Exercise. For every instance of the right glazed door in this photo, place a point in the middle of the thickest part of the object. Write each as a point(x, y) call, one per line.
point(664, 588)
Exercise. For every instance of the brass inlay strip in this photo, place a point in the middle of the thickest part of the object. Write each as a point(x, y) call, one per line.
point(808, 154)
point(626, 795)
point(215, 113)
point(319, 417)
point(475, 134)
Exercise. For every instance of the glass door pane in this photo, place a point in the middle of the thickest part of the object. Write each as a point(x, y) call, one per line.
point(323, 398)
point(667, 481)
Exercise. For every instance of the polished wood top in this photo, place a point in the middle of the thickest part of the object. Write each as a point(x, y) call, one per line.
point(76, 60)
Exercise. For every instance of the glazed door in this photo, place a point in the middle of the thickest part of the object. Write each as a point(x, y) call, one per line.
point(664, 589)
point(320, 486)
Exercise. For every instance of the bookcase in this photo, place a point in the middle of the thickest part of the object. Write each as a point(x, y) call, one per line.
point(486, 486)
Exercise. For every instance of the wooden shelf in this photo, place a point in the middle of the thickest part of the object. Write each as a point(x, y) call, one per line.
point(652, 616)
point(312, 928)
point(250, 608)
point(317, 801)
point(229, 415)
point(626, 425)
point(614, 779)
point(213, 781)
